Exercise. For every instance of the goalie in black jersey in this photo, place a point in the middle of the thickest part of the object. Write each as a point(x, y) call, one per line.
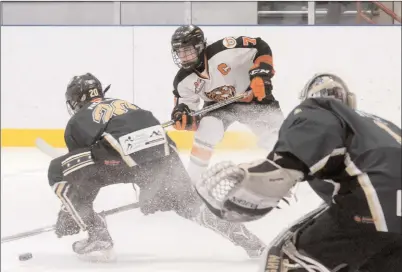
point(323, 139)
point(113, 141)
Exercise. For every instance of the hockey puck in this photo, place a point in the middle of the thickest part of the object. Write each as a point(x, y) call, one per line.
point(25, 256)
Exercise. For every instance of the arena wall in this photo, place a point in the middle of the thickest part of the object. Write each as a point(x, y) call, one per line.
point(38, 62)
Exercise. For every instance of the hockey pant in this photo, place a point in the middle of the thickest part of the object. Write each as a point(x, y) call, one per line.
point(303, 247)
point(77, 178)
point(335, 240)
point(264, 120)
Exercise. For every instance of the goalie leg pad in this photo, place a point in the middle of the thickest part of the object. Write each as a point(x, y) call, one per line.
point(282, 253)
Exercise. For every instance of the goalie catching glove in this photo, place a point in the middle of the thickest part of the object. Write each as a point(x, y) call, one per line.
point(183, 120)
point(245, 192)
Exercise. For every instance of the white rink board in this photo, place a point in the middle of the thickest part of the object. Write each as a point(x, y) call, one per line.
point(38, 62)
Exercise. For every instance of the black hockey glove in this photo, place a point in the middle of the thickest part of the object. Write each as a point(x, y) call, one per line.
point(182, 118)
point(260, 81)
point(66, 225)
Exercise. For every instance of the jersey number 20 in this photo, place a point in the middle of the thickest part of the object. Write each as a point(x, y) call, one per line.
point(103, 112)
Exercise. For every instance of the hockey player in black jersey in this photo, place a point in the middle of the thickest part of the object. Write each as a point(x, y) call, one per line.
point(112, 141)
point(215, 72)
point(323, 138)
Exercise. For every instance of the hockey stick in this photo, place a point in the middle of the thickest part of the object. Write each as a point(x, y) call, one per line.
point(43, 146)
point(211, 108)
point(107, 88)
point(46, 148)
point(52, 228)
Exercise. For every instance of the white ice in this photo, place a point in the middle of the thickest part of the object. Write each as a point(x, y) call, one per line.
point(162, 242)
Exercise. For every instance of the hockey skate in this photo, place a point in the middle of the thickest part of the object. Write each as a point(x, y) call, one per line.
point(98, 247)
point(237, 233)
point(241, 236)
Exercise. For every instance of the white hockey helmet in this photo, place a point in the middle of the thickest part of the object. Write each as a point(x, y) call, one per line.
point(328, 85)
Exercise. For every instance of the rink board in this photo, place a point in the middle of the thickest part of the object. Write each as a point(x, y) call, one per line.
point(183, 139)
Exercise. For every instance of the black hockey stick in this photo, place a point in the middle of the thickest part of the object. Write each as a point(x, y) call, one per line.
point(52, 228)
point(107, 88)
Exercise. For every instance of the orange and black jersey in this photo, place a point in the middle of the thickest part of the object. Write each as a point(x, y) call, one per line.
point(224, 71)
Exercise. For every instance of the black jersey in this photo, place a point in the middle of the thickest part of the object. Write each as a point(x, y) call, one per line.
point(88, 124)
point(359, 151)
point(117, 128)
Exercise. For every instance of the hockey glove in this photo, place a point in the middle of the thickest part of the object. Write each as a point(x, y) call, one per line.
point(182, 118)
point(260, 81)
point(66, 225)
point(245, 192)
point(248, 98)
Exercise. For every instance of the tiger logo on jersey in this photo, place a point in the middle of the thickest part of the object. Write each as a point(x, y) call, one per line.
point(221, 93)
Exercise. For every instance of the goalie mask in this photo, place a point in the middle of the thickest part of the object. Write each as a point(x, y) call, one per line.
point(328, 85)
point(188, 43)
point(81, 90)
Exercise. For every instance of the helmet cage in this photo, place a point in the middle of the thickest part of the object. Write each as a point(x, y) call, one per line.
point(328, 85)
point(187, 56)
point(188, 43)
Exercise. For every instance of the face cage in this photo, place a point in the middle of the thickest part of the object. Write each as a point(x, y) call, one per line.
point(336, 93)
point(70, 109)
point(303, 95)
point(189, 64)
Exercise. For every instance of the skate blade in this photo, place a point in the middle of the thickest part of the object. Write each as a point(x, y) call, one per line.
point(101, 256)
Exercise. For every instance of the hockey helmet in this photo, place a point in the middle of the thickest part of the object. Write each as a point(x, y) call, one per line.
point(81, 90)
point(328, 85)
point(187, 43)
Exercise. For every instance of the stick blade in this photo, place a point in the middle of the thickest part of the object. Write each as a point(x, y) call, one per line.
point(46, 148)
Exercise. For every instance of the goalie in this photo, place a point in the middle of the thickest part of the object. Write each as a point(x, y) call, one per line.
point(112, 141)
point(324, 138)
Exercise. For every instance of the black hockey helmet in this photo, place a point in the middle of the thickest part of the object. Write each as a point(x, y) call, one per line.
point(328, 85)
point(188, 43)
point(81, 90)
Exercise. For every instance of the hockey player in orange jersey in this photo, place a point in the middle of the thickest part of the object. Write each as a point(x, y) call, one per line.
point(215, 72)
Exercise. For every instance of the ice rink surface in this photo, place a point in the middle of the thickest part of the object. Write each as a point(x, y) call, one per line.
point(162, 242)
